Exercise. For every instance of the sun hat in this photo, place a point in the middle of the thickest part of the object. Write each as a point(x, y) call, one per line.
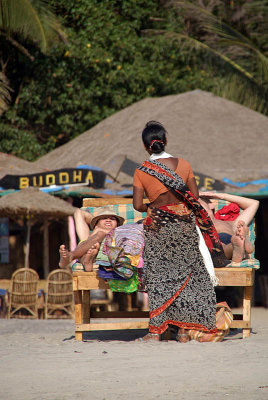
point(101, 212)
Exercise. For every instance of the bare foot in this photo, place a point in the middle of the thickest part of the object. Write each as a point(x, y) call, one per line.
point(182, 336)
point(89, 258)
point(244, 232)
point(150, 337)
point(65, 257)
point(238, 248)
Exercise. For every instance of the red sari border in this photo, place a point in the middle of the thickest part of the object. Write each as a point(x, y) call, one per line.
point(156, 168)
point(183, 325)
point(164, 306)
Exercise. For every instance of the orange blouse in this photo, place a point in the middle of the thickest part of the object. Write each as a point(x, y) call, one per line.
point(153, 187)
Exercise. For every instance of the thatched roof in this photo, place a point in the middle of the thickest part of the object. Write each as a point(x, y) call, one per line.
point(11, 165)
point(218, 137)
point(34, 202)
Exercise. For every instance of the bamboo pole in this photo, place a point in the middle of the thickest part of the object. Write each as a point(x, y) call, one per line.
point(45, 249)
point(27, 247)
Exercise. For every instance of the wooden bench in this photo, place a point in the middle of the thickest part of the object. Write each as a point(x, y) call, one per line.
point(83, 282)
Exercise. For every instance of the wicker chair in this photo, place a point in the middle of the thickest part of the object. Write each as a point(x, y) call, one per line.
point(23, 296)
point(59, 301)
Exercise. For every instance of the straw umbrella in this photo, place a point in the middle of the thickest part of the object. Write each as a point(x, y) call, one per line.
point(34, 205)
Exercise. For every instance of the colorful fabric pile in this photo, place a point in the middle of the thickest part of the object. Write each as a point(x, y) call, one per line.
point(124, 246)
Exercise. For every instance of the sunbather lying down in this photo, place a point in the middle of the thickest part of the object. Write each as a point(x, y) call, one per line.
point(234, 235)
point(101, 224)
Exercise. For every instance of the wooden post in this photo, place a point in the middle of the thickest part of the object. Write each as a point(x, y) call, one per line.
point(247, 309)
point(78, 312)
point(128, 302)
point(86, 306)
point(45, 249)
point(27, 246)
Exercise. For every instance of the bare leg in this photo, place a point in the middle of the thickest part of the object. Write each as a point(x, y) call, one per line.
point(65, 257)
point(244, 232)
point(183, 336)
point(228, 250)
point(238, 248)
point(89, 258)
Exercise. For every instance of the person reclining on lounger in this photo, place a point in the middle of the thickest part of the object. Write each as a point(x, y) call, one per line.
point(87, 251)
point(234, 234)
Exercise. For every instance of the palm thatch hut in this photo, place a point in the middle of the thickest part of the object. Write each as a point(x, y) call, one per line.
point(220, 138)
point(12, 165)
point(35, 206)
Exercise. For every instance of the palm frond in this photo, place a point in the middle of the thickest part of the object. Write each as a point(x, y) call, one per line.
point(233, 89)
point(4, 94)
point(212, 24)
point(197, 44)
point(227, 35)
point(32, 19)
point(261, 5)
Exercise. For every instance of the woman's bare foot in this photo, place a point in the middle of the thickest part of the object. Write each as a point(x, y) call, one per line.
point(65, 257)
point(150, 337)
point(238, 248)
point(244, 231)
point(89, 258)
point(182, 336)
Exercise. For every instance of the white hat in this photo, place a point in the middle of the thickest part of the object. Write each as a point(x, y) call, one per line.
point(105, 212)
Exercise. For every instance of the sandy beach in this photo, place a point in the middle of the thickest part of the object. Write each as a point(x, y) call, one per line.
point(41, 360)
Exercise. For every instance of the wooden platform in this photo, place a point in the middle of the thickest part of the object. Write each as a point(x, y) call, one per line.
point(83, 282)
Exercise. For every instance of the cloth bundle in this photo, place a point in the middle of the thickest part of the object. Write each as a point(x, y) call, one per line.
point(224, 318)
point(228, 213)
point(124, 246)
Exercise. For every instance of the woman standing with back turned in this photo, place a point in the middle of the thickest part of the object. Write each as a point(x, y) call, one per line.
point(179, 287)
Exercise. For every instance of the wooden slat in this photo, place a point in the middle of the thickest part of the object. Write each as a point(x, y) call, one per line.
point(91, 282)
point(239, 324)
point(233, 269)
point(92, 202)
point(111, 326)
point(88, 281)
point(235, 276)
point(84, 273)
point(226, 276)
point(119, 314)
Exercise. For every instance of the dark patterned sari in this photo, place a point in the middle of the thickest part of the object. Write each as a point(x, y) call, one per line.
point(179, 287)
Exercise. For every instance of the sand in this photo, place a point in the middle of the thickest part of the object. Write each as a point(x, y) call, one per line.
point(41, 360)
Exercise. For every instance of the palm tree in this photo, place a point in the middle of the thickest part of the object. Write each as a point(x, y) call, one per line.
point(232, 32)
point(22, 20)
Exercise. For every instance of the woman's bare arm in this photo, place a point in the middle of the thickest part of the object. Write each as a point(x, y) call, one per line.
point(191, 183)
point(138, 194)
point(249, 206)
point(82, 220)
